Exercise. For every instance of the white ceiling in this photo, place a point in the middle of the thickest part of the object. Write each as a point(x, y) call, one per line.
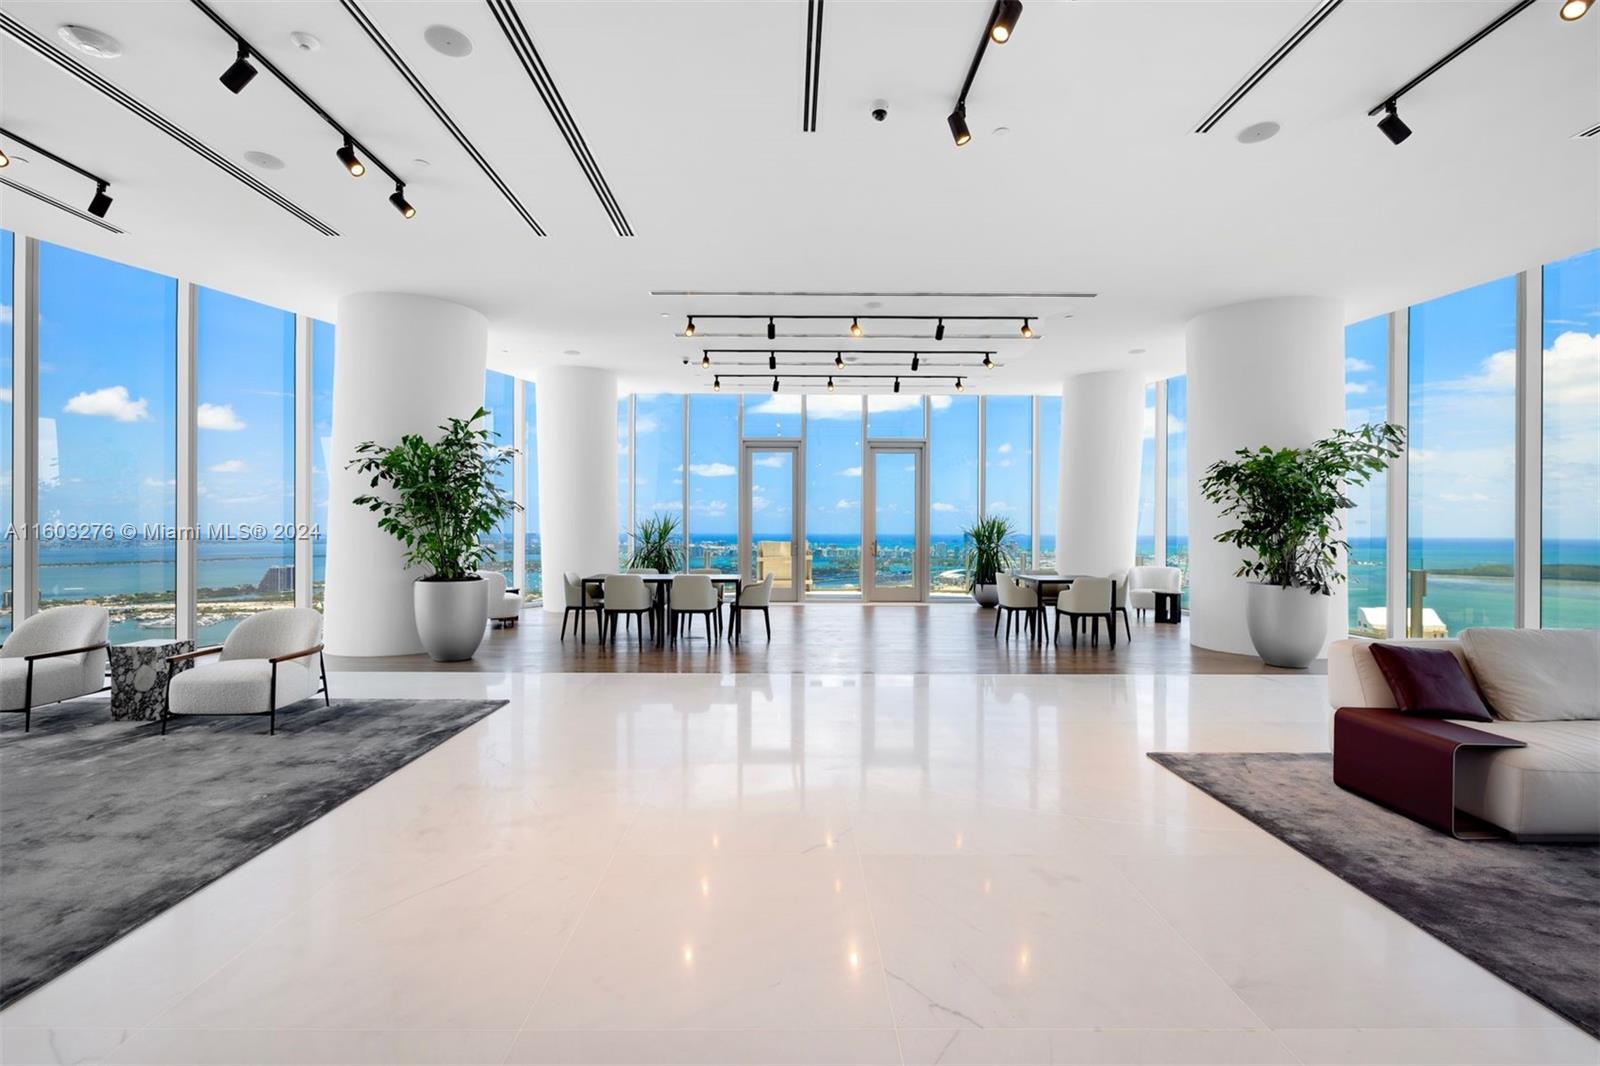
point(693, 113)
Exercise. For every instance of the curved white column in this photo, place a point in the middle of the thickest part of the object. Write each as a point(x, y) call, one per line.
point(404, 365)
point(577, 475)
point(1265, 372)
point(1097, 520)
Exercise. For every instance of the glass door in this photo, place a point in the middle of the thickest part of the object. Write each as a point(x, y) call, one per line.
point(896, 529)
point(769, 517)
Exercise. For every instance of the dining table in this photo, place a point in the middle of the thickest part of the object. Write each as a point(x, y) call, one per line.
point(661, 584)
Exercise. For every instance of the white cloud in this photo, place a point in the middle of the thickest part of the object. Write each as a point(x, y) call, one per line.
point(772, 461)
point(1356, 365)
point(644, 424)
point(1000, 506)
point(844, 505)
point(1356, 388)
point(713, 469)
point(850, 471)
point(833, 407)
point(710, 507)
point(1004, 449)
point(227, 466)
point(217, 416)
point(779, 404)
point(157, 483)
point(110, 402)
point(942, 507)
point(5, 395)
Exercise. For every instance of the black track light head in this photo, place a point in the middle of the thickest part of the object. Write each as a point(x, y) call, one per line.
point(855, 327)
point(1573, 10)
point(705, 360)
point(772, 330)
point(688, 330)
point(960, 387)
point(938, 331)
point(101, 202)
point(352, 162)
point(1027, 330)
point(716, 383)
point(830, 382)
point(398, 198)
point(988, 363)
point(897, 383)
point(1005, 20)
point(916, 362)
point(838, 360)
point(958, 125)
point(772, 360)
point(1391, 124)
point(236, 77)
point(774, 384)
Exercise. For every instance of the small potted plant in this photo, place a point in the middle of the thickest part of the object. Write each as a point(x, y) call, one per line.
point(1286, 503)
point(443, 500)
point(986, 555)
point(654, 546)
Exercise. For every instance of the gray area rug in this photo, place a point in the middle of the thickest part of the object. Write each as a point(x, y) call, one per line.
point(1527, 913)
point(104, 825)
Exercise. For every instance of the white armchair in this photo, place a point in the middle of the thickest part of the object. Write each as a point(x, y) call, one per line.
point(1145, 581)
point(58, 654)
point(505, 604)
point(264, 664)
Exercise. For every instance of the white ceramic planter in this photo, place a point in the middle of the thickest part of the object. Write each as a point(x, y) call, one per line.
point(451, 616)
point(1287, 626)
point(986, 595)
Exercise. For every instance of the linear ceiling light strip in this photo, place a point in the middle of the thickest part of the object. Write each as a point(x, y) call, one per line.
point(522, 44)
point(439, 112)
point(1592, 131)
point(23, 35)
point(1292, 42)
point(1500, 20)
point(53, 202)
point(808, 107)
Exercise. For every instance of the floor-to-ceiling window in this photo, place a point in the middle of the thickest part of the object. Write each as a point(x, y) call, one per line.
point(1177, 479)
point(1570, 549)
point(658, 466)
point(714, 482)
point(7, 245)
point(499, 399)
point(1144, 543)
point(532, 561)
point(1049, 480)
point(322, 340)
point(833, 488)
point(244, 461)
point(624, 482)
point(952, 487)
point(1008, 467)
point(1462, 458)
point(1366, 399)
point(107, 438)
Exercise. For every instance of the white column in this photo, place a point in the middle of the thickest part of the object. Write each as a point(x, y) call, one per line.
point(577, 475)
point(1265, 372)
point(1097, 514)
point(406, 364)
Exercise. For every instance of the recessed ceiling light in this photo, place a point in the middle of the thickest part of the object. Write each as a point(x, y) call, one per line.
point(1261, 131)
point(264, 160)
point(448, 41)
point(304, 41)
point(91, 42)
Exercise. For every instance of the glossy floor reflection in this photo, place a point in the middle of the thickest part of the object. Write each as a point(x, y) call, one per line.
point(753, 869)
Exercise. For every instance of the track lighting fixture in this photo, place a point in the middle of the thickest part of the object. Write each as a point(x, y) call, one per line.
point(236, 77)
point(1027, 330)
point(958, 125)
point(774, 384)
point(988, 363)
point(1392, 125)
point(1573, 10)
point(830, 382)
point(5, 160)
point(855, 327)
point(101, 202)
point(398, 198)
point(960, 387)
point(838, 360)
point(1006, 13)
point(938, 331)
point(772, 361)
point(897, 383)
point(688, 330)
point(772, 330)
point(916, 361)
point(705, 360)
point(716, 384)
point(352, 162)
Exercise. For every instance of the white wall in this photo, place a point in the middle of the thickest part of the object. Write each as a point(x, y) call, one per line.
point(405, 365)
point(1097, 518)
point(1266, 372)
point(577, 475)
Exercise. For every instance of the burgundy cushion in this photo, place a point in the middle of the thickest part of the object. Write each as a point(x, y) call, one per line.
point(1430, 683)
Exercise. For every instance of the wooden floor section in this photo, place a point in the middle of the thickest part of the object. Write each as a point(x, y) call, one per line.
point(839, 638)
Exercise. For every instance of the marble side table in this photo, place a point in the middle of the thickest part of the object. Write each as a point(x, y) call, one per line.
point(139, 677)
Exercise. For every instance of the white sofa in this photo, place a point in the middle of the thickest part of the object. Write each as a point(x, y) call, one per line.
point(1145, 581)
point(1544, 689)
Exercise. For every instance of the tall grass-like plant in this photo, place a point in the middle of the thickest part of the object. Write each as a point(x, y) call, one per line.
point(986, 554)
point(1286, 503)
point(444, 495)
point(655, 545)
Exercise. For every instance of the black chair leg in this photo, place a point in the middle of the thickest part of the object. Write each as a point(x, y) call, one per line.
point(565, 615)
point(767, 618)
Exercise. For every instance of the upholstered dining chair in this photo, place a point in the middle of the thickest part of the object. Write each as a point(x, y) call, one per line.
point(1015, 599)
point(1119, 603)
point(56, 655)
point(505, 604)
point(754, 596)
point(572, 591)
point(1087, 597)
point(694, 594)
point(264, 664)
point(628, 595)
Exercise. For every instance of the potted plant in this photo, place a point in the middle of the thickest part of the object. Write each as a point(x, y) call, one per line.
point(986, 555)
point(1286, 503)
point(443, 499)
point(654, 546)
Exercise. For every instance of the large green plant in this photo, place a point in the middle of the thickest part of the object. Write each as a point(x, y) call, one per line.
point(1286, 502)
point(655, 545)
point(986, 554)
point(444, 496)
